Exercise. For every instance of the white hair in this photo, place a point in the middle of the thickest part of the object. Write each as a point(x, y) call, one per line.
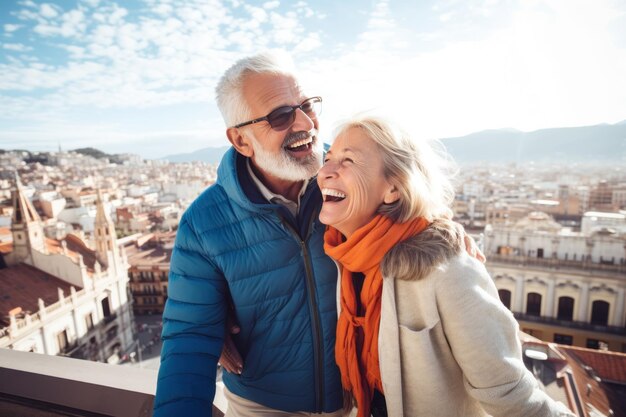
point(229, 89)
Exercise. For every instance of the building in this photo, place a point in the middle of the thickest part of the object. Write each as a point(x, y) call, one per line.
point(562, 286)
point(592, 383)
point(149, 257)
point(61, 297)
point(594, 221)
point(601, 197)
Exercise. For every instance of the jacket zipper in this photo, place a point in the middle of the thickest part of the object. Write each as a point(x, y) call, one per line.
point(318, 347)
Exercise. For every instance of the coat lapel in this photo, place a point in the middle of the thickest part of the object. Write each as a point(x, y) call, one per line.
point(389, 350)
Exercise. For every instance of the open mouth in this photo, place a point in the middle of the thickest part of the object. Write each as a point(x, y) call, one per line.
point(332, 196)
point(300, 145)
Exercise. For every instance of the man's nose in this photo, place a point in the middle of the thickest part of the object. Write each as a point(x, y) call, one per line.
point(302, 122)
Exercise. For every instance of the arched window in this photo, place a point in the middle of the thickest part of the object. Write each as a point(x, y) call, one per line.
point(566, 308)
point(600, 312)
point(505, 297)
point(533, 304)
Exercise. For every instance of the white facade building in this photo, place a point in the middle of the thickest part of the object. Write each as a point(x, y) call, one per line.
point(594, 221)
point(563, 287)
point(89, 316)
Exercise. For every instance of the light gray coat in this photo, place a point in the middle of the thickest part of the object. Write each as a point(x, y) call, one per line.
point(447, 345)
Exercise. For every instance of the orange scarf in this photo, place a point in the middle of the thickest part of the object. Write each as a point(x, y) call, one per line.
point(363, 252)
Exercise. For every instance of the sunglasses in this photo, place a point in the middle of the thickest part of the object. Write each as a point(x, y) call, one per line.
point(283, 117)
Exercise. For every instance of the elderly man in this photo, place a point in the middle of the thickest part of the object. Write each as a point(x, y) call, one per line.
point(254, 240)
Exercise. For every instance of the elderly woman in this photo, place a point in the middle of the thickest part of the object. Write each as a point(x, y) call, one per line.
point(421, 329)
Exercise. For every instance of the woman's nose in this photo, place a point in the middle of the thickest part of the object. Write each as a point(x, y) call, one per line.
point(327, 170)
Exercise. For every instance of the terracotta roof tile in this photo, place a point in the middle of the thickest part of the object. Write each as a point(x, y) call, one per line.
point(608, 365)
point(21, 285)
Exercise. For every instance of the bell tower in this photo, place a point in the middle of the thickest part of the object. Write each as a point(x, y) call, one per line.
point(105, 236)
point(26, 226)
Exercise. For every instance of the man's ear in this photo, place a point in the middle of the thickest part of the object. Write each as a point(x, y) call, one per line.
point(392, 195)
point(240, 142)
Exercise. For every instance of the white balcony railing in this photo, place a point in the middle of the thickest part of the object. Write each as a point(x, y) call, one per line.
point(36, 385)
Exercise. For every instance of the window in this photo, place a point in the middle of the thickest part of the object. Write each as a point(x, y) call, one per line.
point(62, 340)
point(533, 304)
point(540, 253)
point(505, 297)
point(597, 344)
point(89, 321)
point(563, 339)
point(600, 313)
point(566, 308)
point(106, 307)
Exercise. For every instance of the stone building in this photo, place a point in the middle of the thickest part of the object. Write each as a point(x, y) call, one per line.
point(562, 286)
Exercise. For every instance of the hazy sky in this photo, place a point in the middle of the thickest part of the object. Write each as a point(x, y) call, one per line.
point(138, 76)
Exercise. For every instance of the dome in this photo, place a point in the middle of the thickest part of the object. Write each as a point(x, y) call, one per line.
point(538, 221)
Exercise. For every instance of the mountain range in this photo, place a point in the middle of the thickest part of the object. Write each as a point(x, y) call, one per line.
point(600, 143)
point(210, 155)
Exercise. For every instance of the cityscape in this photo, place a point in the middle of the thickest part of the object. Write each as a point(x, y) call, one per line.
point(110, 129)
point(85, 244)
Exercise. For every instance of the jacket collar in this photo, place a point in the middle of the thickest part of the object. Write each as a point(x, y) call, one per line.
point(233, 177)
point(416, 257)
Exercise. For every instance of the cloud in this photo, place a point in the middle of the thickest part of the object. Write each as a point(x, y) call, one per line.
point(48, 11)
point(311, 42)
point(68, 25)
point(18, 47)
point(286, 28)
point(91, 3)
point(271, 4)
point(11, 28)
point(547, 67)
point(534, 65)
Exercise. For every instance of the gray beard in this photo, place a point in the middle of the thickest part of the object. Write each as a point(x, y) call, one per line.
point(285, 166)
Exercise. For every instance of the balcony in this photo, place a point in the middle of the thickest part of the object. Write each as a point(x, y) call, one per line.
point(48, 386)
point(557, 264)
point(621, 331)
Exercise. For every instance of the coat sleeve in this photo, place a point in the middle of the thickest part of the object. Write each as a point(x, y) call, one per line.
point(193, 329)
point(483, 336)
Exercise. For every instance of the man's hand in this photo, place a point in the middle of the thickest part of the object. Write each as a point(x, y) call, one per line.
point(472, 248)
point(230, 359)
point(470, 244)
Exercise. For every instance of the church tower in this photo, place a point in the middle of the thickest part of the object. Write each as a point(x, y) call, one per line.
point(26, 227)
point(105, 236)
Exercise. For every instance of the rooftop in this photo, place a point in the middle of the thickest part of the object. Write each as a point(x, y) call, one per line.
point(21, 285)
point(608, 365)
point(75, 247)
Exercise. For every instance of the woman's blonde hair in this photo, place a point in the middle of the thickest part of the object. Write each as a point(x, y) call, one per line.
point(421, 173)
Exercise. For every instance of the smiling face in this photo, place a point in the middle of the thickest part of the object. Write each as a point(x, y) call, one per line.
point(353, 183)
point(288, 155)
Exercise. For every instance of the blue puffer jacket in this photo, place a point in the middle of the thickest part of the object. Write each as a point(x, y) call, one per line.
point(233, 243)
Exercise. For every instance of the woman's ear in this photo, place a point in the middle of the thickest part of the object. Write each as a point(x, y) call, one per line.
point(240, 142)
point(392, 195)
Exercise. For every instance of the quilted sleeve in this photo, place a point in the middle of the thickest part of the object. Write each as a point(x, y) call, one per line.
point(193, 329)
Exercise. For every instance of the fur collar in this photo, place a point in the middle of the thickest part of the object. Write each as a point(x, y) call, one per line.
point(416, 257)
